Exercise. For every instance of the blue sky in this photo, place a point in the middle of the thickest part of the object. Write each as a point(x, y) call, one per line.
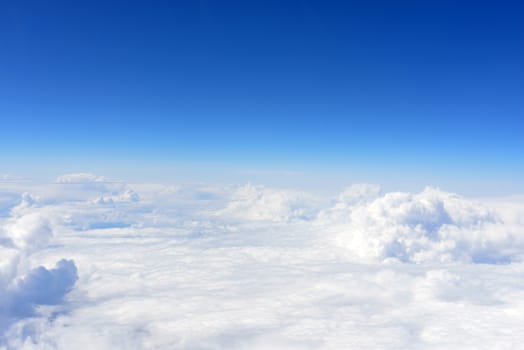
point(427, 92)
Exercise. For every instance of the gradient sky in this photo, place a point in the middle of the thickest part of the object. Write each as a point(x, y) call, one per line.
point(424, 91)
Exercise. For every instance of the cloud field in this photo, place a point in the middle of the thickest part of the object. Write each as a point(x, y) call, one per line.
point(87, 262)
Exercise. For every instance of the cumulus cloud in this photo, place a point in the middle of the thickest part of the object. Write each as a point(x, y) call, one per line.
point(82, 179)
point(98, 189)
point(40, 286)
point(29, 232)
point(260, 203)
point(22, 289)
point(430, 225)
point(254, 267)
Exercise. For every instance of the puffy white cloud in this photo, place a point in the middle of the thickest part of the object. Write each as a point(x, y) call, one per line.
point(431, 225)
point(29, 232)
point(81, 179)
point(40, 286)
point(98, 189)
point(125, 196)
point(251, 202)
point(251, 267)
point(23, 289)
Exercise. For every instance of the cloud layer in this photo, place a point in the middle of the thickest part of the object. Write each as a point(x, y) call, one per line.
point(89, 262)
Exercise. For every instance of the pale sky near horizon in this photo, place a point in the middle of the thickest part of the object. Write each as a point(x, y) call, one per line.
point(403, 94)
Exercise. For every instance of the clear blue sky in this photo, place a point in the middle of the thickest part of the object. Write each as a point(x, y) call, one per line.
point(409, 88)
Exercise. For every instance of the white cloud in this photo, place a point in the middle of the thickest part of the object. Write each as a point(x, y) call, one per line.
point(29, 232)
point(24, 289)
point(83, 186)
point(251, 267)
point(251, 202)
point(431, 225)
point(82, 178)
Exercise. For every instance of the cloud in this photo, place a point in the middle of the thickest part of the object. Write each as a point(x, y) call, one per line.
point(430, 225)
point(253, 267)
point(23, 290)
point(251, 202)
point(40, 286)
point(125, 196)
point(82, 179)
point(29, 232)
point(98, 189)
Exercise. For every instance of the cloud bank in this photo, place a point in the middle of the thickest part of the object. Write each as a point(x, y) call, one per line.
point(88, 262)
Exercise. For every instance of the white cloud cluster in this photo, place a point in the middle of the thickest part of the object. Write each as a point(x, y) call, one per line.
point(83, 179)
point(251, 202)
point(431, 225)
point(250, 267)
point(24, 289)
point(99, 189)
point(28, 232)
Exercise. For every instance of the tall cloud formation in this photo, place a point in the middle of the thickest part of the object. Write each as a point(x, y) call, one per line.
point(253, 267)
point(23, 290)
point(430, 225)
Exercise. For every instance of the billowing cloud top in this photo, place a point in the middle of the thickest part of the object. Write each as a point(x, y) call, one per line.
point(431, 225)
point(23, 289)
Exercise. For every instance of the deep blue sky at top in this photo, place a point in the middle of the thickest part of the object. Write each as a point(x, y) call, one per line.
point(400, 82)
